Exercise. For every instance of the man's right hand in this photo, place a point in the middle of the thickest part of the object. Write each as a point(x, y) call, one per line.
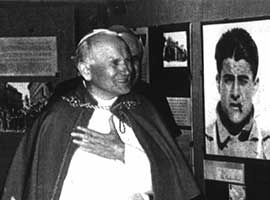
point(105, 145)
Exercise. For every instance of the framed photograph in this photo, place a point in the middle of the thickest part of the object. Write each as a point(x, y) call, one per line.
point(20, 102)
point(28, 56)
point(236, 88)
point(175, 45)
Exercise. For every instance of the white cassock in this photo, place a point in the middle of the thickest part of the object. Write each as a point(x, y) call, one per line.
point(91, 177)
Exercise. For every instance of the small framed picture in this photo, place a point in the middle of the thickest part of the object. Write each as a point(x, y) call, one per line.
point(20, 103)
point(175, 45)
point(236, 88)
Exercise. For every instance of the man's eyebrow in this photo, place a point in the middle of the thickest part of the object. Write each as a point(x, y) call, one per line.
point(239, 75)
point(228, 75)
point(243, 77)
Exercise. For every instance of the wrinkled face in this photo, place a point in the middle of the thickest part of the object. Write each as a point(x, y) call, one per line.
point(111, 69)
point(236, 87)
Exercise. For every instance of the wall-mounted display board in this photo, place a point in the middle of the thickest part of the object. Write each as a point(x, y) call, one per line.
point(169, 69)
point(170, 58)
point(236, 103)
point(28, 56)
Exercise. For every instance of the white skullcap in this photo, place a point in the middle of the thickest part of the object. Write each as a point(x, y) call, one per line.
point(94, 32)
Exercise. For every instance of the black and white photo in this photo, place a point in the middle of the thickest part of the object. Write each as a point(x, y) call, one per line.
point(236, 88)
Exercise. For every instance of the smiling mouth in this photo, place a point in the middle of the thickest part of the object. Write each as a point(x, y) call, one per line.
point(236, 107)
point(123, 80)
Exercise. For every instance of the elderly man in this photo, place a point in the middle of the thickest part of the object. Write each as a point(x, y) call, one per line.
point(155, 95)
point(100, 141)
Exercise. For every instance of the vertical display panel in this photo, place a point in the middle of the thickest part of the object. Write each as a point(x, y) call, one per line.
point(236, 88)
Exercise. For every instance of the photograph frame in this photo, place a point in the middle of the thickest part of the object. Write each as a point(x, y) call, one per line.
point(176, 36)
point(20, 104)
point(257, 27)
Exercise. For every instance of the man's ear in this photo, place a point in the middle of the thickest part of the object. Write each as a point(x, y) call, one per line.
point(256, 85)
point(85, 70)
point(218, 82)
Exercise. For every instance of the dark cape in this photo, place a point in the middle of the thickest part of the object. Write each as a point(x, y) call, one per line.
point(42, 159)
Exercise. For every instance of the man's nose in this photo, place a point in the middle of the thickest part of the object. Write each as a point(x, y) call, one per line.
point(125, 67)
point(235, 93)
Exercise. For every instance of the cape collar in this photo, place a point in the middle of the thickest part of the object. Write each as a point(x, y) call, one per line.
point(82, 98)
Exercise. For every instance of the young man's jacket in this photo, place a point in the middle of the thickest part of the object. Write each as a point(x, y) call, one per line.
point(42, 159)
